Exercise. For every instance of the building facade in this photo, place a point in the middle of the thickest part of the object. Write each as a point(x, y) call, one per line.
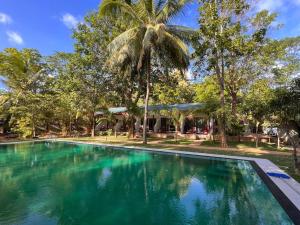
point(186, 120)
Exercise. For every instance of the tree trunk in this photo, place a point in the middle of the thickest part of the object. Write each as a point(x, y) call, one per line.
point(70, 126)
point(278, 140)
point(33, 127)
point(33, 131)
point(147, 97)
point(93, 126)
point(222, 120)
point(221, 76)
point(256, 134)
point(64, 130)
point(130, 124)
point(177, 127)
point(296, 163)
point(223, 116)
point(234, 104)
point(295, 145)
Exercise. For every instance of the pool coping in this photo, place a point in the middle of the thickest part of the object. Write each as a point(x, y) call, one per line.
point(286, 191)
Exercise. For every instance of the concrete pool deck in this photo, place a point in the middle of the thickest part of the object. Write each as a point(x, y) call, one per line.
point(286, 191)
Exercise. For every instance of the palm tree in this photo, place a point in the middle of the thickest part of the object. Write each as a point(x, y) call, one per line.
point(147, 33)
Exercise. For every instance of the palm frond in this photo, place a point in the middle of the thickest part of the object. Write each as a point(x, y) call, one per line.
point(122, 39)
point(109, 7)
point(159, 5)
point(170, 10)
point(141, 10)
point(128, 53)
point(184, 33)
point(149, 6)
point(174, 50)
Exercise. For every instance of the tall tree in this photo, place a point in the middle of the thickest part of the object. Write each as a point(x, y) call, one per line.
point(67, 98)
point(257, 102)
point(147, 34)
point(29, 88)
point(87, 65)
point(225, 43)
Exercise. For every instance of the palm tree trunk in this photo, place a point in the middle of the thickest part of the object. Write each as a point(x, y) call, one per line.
point(70, 125)
point(177, 127)
point(147, 98)
point(93, 126)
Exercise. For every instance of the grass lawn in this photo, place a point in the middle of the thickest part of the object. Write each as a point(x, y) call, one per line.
point(248, 144)
point(179, 141)
point(282, 158)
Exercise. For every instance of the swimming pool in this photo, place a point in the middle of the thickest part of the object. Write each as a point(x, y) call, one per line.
point(65, 183)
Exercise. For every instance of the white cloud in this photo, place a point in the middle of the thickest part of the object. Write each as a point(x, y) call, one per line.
point(270, 5)
point(69, 20)
point(14, 37)
point(5, 19)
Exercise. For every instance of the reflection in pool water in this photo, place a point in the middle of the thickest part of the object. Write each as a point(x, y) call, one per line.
point(60, 183)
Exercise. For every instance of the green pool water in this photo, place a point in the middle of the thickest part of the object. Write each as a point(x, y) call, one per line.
point(61, 183)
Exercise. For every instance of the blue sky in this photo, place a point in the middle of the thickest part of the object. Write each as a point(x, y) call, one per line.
point(46, 24)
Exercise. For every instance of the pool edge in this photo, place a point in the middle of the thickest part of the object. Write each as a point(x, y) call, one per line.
point(280, 193)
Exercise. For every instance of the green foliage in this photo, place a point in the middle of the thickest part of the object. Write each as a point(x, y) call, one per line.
point(286, 107)
point(147, 29)
point(24, 127)
point(87, 66)
point(207, 93)
point(286, 103)
point(258, 99)
point(29, 88)
point(173, 89)
point(110, 132)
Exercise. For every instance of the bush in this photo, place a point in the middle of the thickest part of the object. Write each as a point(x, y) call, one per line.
point(102, 133)
point(109, 132)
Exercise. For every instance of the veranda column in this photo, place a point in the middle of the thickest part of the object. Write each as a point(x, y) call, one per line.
point(182, 123)
point(157, 124)
point(211, 128)
point(119, 125)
